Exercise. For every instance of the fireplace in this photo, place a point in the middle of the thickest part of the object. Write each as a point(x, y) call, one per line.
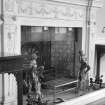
point(57, 50)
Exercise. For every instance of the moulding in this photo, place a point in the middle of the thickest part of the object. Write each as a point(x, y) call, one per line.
point(77, 2)
point(96, 3)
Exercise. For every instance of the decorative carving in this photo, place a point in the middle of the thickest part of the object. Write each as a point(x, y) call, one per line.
point(43, 10)
point(25, 8)
point(34, 9)
point(10, 19)
point(10, 5)
point(10, 34)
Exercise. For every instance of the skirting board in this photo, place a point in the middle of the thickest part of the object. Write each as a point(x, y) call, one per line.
point(86, 99)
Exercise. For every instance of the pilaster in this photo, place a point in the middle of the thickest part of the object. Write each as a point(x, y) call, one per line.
point(9, 46)
point(91, 40)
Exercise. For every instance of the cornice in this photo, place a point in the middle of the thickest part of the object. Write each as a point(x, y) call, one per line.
point(73, 2)
point(96, 3)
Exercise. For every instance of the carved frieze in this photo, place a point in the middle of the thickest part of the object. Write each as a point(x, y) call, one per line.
point(43, 10)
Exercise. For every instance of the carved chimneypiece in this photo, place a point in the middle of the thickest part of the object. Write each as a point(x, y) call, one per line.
point(14, 65)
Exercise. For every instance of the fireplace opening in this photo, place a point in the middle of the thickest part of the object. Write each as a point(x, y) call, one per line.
point(57, 50)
